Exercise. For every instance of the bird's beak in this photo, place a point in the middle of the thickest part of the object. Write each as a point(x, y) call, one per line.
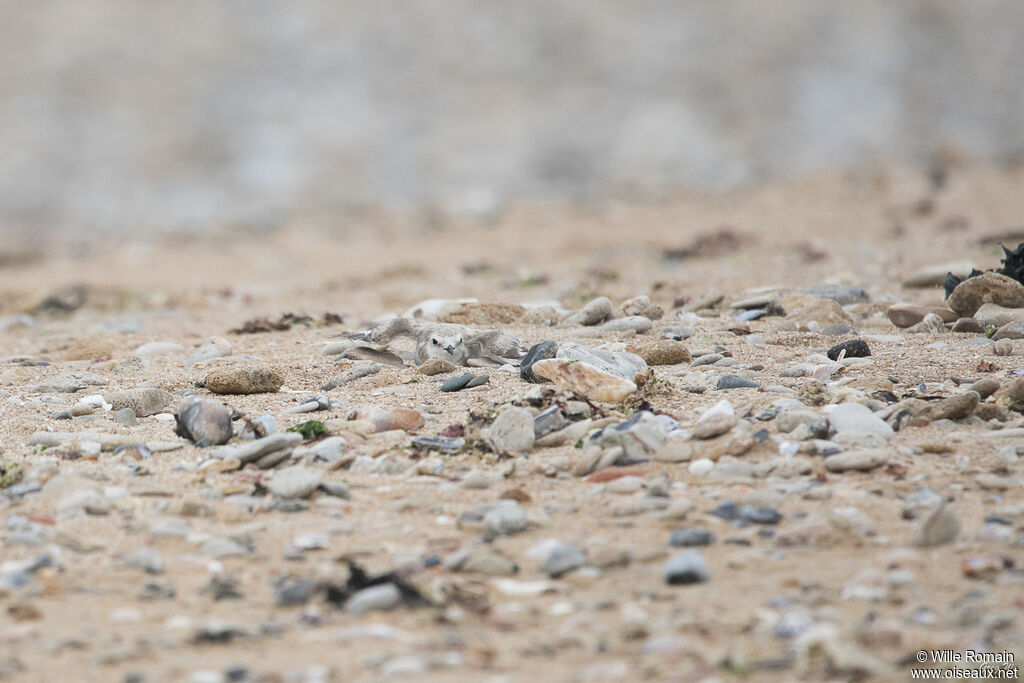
point(450, 349)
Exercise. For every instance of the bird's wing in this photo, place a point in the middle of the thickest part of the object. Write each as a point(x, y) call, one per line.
point(493, 344)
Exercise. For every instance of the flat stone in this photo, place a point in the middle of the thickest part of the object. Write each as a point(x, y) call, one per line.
point(632, 323)
point(251, 452)
point(374, 599)
point(512, 432)
point(690, 537)
point(445, 444)
point(663, 352)
point(1011, 330)
point(457, 383)
point(621, 363)
point(906, 315)
point(585, 379)
point(143, 401)
point(715, 421)
point(252, 380)
point(968, 326)
point(685, 568)
point(352, 375)
point(932, 324)
point(969, 295)
point(994, 314)
point(860, 459)
point(736, 382)
point(125, 416)
point(295, 482)
point(595, 311)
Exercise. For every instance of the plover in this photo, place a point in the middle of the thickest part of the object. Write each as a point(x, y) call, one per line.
point(449, 342)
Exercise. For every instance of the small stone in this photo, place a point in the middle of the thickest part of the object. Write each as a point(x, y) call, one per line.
point(436, 366)
point(125, 416)
point(156, 349)
point(690, 537)
point(860, 459)
point(445, 444)
point(685, 568)
point(544, 350)
point(968, 326)
point(478, 381)
point(938, 528)
point(253, 380)
point(219, 547)
point(562, 559)
point(143, 401)
point(295, 482)
point(148, 560)
point(633, 323)
point(482, 560)
point(457, 383)
point(512, 432)
point(374, 599)
point(663, 352)
point(969, 295)
point(858, 419)
point(293, 591)
point(505, 519)
point(594, 312)
point(701, 467)
point(985, 387)
point(585, 379)
point(405, 419)
point(215, 347)
point(932, 324)
point(953, 408)
point(736, 382)
point(993, 314)
point(1002, 347)
point(907, 315)
point(812, 312)
point(715, 422)
point(203, 421)
point(1013, 330)
point(352, 375)
point(759, 515)
point(855, 348)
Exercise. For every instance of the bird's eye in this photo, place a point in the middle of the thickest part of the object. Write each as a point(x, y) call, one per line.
point(434, 340)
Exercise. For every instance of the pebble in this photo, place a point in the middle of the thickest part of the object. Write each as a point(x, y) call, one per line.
point(293, 591)
point(436, 366)
point(282, 443)
point(969, 295)
point(595, 311)
point(143, 401)
point(157, 349)
point(634, 323)
point(855, 348)
point(562, 559)
point(247, 380)
point(715, 421)
point(148, 560)
point(203, 421)
point(542, 351)
point(736, 382)
point(968, 326)
point(938, 528)
point(445, 444)
point(954, 408)
point(125, 416)
point(584, 379)
point(932, 324)
point(512, 432)
point(1011, 330)
point(993, 314)
point(662, 352)
point(352, 375)
point(295, 482)
point(685, 568)
point(860, 459)
point(690, 537)
point(457, 383)
point(374, 599)
point(857, 419)
point(506, 519)
point(405, 419)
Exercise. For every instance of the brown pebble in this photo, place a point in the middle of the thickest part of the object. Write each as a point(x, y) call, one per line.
point(663, 352)
point(257, 380)
point(515, 494)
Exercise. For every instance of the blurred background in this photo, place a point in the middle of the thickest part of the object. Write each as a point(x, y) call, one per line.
point(137, 117)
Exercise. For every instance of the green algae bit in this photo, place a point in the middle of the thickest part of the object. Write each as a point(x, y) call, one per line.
point(310, 429)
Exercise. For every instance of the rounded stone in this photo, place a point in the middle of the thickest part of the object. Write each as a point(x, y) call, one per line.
point(253, 380)
point(969, 295)
point(685, 568)
point(295, 482)
point(512, 432)
point(203, 421)
point(663, 352)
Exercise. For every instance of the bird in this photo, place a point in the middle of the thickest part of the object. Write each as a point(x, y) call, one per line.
point(454, 343)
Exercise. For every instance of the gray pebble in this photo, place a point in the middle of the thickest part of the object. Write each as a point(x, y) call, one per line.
point(690, 536)
point(562, 559)
point(457, 383)
point(685, 568)
point(374, 599)
point(736, 382)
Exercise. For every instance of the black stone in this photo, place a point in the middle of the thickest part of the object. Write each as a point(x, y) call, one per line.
point(854, 348)
point(546, 349)
point(727, 511)
point(756, 515)
point(457, 383)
